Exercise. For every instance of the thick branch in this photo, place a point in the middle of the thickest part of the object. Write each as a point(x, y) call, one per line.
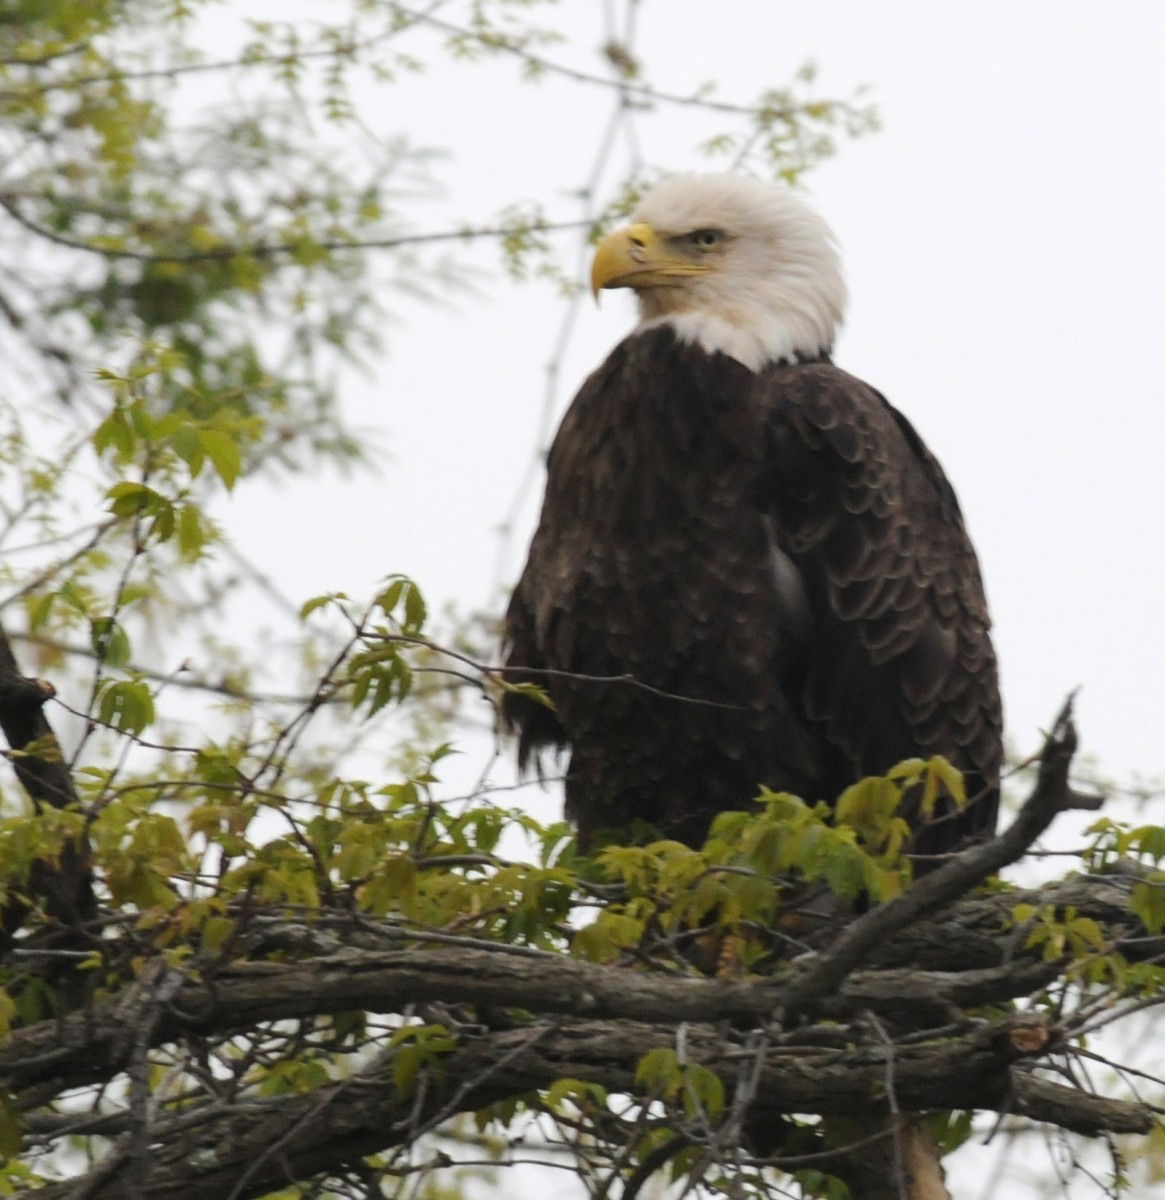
point(92, 1045)
point(1074, 1110)
point(246, 1150)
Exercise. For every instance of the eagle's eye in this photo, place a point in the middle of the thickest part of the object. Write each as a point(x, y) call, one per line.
point(705, 239)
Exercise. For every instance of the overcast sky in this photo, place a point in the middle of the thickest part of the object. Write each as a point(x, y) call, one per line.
point(1004, 245)
point(1003, 240)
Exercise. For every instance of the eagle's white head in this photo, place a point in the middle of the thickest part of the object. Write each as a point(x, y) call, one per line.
point(732, 264)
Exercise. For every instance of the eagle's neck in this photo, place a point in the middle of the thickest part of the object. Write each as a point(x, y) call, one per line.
point(756, 343)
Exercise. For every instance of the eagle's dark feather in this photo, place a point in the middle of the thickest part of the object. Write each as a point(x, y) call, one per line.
point(777, 552)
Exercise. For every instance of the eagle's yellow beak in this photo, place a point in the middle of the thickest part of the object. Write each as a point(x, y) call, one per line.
point(637, 257)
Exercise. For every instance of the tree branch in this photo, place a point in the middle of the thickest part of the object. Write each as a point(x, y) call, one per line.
point(821, 974)
point(89, 1046)
point(265, 250)
point(66, 885)
point(228, 1151)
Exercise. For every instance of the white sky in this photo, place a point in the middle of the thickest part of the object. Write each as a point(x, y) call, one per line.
point(1003, 238)
point(1003, 242)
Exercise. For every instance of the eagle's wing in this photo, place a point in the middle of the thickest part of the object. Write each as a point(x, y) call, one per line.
point(902, 662)
point(534, 721)
point(540, 617)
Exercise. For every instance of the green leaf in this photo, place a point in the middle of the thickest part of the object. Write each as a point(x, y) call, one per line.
point(1150, 841)
point(187, 444)
point(162, 526)
point(1086, 933)
point(415, 1047)
point(703, 1092)
point(658, 1072)
point(127, 499)
point(8, 1011)
point(950, 777)
point(606, 937)
point(1147, 901)
point(127, 705)
point(192, 532)
point(403, 593)
point(223, 452)
point(317, 602)
point(578, 1092)
point(379, 677)
point(532, 691)
point(816, 1183)
point(115, 433)
point(215, 932)
point(951, 1129)
point(76, 597)
point(908, 771)
point(845, 871)
point(11, 1126)
point(39, 610)
point(392, 886)
point(868, 804)
point(406, 1062)
point(110, 641)
point(415, 609)
point(134, 882)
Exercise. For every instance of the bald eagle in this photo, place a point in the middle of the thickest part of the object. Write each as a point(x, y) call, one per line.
point(749, 568)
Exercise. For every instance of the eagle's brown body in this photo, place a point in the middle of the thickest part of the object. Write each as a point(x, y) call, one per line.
point(742, 578)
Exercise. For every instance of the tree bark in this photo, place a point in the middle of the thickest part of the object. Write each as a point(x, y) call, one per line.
point(246, 1149)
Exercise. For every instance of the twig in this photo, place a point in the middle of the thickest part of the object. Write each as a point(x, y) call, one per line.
point(895, 1111)
point(263, 250)
point(549, 673)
